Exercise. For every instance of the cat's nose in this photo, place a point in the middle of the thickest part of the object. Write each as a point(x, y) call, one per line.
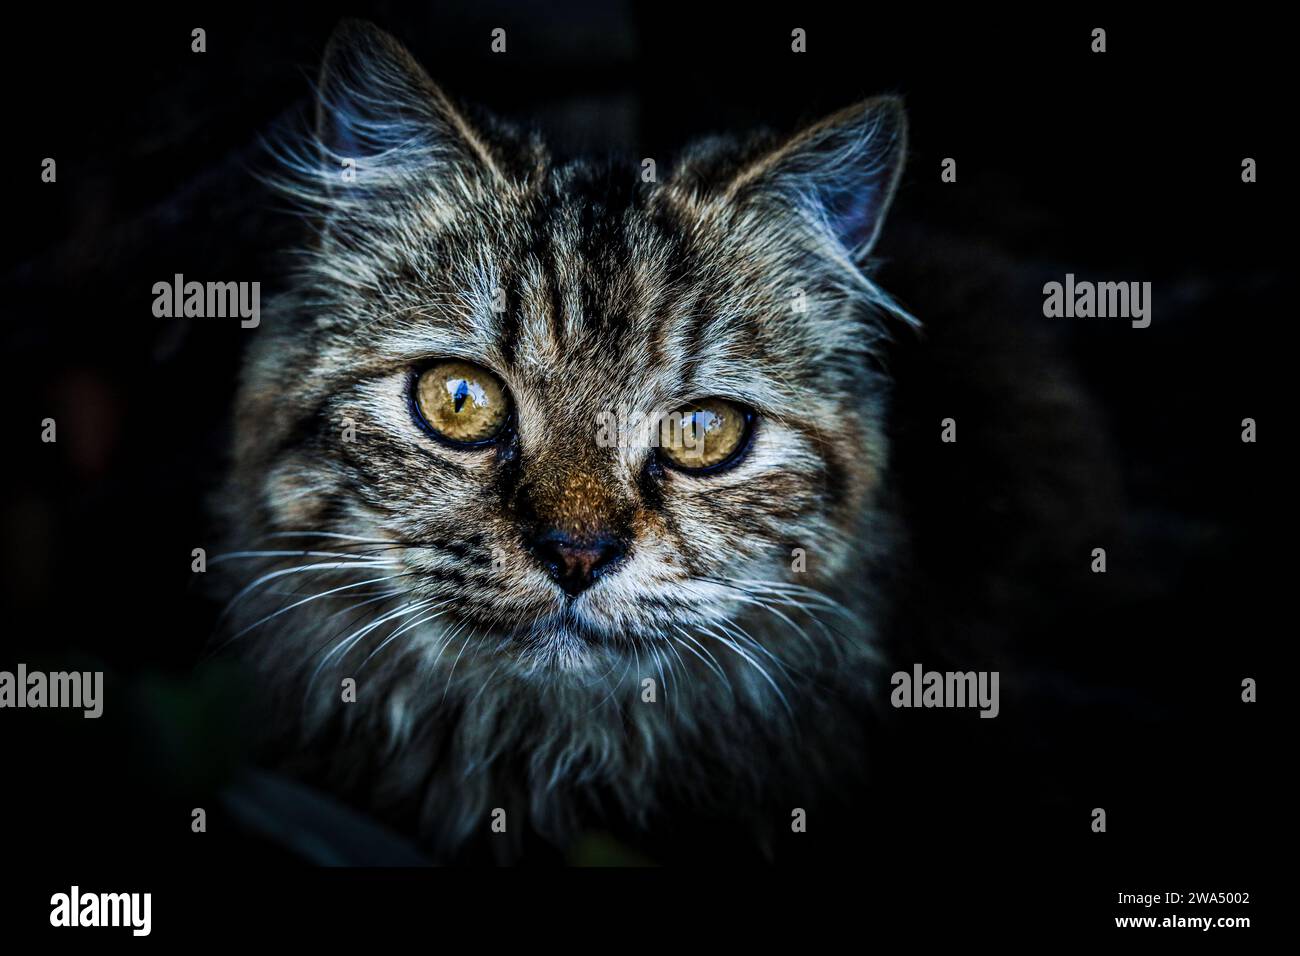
point(576, 562)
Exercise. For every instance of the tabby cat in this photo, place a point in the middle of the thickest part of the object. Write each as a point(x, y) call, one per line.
point(478, 570)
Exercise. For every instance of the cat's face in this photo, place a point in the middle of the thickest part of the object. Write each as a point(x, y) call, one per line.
point(465, 394)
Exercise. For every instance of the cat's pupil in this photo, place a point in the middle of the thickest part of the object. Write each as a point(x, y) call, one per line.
point(462, 392)
point(702, 423)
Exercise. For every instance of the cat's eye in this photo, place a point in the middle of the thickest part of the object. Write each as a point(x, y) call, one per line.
point(706, 435)
point(461, 403)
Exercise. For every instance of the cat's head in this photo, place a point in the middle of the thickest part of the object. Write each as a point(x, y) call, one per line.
point(463, 403)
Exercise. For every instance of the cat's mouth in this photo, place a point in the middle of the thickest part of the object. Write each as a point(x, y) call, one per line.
point(570, 636)
point(540, 626)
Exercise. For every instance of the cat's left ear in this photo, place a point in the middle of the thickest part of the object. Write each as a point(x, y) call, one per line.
point(841, 172)
point(374, 99)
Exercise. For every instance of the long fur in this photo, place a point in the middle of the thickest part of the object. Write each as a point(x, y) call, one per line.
point(363, 549)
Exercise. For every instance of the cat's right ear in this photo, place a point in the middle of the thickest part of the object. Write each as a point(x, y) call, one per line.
point(374, 101)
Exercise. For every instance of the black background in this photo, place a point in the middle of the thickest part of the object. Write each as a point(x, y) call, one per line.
point(1122, 166)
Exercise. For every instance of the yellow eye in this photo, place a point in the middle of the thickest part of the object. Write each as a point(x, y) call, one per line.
point(705, 434)
point(461, 403)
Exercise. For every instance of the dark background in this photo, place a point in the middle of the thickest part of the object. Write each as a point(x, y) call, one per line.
point(1122, 166)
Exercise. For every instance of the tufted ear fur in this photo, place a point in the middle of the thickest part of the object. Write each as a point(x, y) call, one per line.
point(840, 172)
point(375, 100)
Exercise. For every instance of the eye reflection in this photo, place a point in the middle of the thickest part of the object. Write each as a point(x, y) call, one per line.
point(704, 435)
point(461, 403)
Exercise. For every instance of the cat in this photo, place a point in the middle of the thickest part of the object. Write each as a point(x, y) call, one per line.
point(472, 615)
